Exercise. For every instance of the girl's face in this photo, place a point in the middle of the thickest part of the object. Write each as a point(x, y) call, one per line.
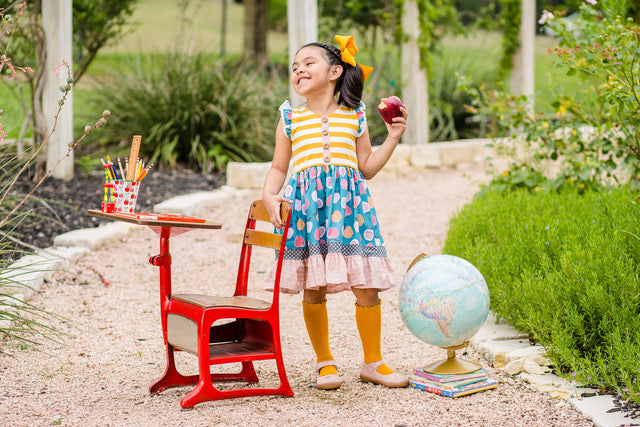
point(312, 72)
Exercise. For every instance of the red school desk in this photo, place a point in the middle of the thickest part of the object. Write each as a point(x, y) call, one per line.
point(165, 229)
point(188, 319)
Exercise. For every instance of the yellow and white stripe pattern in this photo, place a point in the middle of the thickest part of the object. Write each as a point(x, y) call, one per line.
point(320, 141)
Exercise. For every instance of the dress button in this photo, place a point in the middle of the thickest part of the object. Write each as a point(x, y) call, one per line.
point(325, 120)
point(327, 159)
point(326, 146)
point(325, 132)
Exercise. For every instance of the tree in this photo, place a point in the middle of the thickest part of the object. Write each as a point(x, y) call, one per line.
point(95, 23)
point(255, 30)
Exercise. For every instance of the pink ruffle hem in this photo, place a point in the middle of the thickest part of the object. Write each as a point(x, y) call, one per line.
point(335, 271)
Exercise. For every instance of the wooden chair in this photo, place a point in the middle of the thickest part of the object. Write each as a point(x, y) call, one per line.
point(251, 331)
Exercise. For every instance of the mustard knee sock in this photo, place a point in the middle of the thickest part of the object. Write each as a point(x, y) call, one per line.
point(317, 322)
point(369, 322)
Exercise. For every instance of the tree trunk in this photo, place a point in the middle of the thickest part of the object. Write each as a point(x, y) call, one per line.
point(255, 30)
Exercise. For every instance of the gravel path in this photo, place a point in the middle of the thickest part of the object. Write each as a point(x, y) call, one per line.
point(101, 374)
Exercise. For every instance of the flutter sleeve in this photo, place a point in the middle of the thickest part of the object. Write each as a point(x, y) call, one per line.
point(285, 112)
point(362, 118)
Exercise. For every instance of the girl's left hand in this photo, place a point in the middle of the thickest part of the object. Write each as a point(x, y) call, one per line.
point(399, 125)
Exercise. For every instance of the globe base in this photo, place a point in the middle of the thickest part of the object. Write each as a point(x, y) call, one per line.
point(452, 365)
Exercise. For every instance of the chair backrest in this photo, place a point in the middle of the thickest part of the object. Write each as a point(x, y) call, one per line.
point(253, 237)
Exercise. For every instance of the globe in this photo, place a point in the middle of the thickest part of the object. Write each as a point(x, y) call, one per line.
point(443, 300)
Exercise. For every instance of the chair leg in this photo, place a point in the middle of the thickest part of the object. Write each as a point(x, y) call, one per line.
point(205, 390)
point(171, 376)
point(248, 373)
point(285, 387)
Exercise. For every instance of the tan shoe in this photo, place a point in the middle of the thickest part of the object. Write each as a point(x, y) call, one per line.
point(368, 373)
point(327, 382)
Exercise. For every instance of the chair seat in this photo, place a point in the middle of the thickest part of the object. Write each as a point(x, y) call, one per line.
point(227, 339)
point(209, 301)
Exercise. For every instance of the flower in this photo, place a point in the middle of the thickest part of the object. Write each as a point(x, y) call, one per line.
point(546, 16)
point(3, 135)
point(4, 60)
point(591, 2)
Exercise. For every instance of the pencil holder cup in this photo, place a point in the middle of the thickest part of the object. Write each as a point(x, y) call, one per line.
point(125, 194)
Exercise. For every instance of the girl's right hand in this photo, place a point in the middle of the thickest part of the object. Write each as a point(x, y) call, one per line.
point(272, 204)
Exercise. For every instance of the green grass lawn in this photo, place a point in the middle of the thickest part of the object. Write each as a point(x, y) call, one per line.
point(158, 26)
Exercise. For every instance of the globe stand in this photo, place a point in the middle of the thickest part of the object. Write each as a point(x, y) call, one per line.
point(452, 365)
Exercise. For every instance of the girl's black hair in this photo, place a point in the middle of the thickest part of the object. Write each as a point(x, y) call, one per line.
point(350, 84)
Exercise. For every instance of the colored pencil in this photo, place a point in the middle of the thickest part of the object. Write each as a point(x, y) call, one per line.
point(120, 167)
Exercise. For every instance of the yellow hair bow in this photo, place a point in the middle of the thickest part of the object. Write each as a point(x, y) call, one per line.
point(348, 50)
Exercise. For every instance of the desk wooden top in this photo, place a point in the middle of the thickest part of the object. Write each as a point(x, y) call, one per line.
point(155, 220)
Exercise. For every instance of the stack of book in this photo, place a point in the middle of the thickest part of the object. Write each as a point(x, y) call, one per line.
point(452, 385)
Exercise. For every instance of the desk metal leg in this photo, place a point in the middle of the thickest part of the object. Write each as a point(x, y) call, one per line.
point(171, 376)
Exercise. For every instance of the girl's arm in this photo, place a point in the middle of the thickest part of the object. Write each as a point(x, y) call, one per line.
point(370, 162)
point(276, 175)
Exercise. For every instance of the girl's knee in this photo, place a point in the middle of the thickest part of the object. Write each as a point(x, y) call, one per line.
point(366, 297)
point(314, 296)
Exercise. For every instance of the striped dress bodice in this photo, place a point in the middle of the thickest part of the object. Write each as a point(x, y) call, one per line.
point(323, 141)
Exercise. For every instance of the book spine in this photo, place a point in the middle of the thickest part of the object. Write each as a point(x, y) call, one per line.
point(426, 375)
point(475, 390)
point(448, 393)
point(424, 387)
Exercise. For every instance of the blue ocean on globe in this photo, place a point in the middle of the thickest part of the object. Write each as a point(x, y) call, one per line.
point(443, 300)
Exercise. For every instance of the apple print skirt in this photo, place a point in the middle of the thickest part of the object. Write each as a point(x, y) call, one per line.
point(334, 239)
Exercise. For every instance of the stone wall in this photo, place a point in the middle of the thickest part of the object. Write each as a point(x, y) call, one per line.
point(450, 154)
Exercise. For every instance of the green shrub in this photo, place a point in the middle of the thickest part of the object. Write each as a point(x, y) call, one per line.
point(449, 115)
point(592, 139)
point(192, 109)
point(563, 268)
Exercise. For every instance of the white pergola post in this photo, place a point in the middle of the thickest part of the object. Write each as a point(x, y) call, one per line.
point(302, 22)
point(415, 91)
point(56, 22)
point(522, 79)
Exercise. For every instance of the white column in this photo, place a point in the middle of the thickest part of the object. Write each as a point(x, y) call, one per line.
point(56, 21)
point(523, 74)
point(415, 91)
point(302, 23)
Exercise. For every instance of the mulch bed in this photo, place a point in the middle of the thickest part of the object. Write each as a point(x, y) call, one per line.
point(59, 206)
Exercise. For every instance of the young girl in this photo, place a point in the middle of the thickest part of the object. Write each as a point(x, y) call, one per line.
point(334, 242)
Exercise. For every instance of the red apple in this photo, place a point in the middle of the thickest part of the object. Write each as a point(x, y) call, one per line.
point(390, 108)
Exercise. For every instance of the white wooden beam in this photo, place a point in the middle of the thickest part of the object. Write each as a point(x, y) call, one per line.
point(522, 79)
point(415, 92)
point(57, 24)
point(302, 24)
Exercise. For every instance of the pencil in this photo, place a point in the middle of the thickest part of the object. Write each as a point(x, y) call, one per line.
point(145, 172)
point(120, 166)
point(113, 171)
